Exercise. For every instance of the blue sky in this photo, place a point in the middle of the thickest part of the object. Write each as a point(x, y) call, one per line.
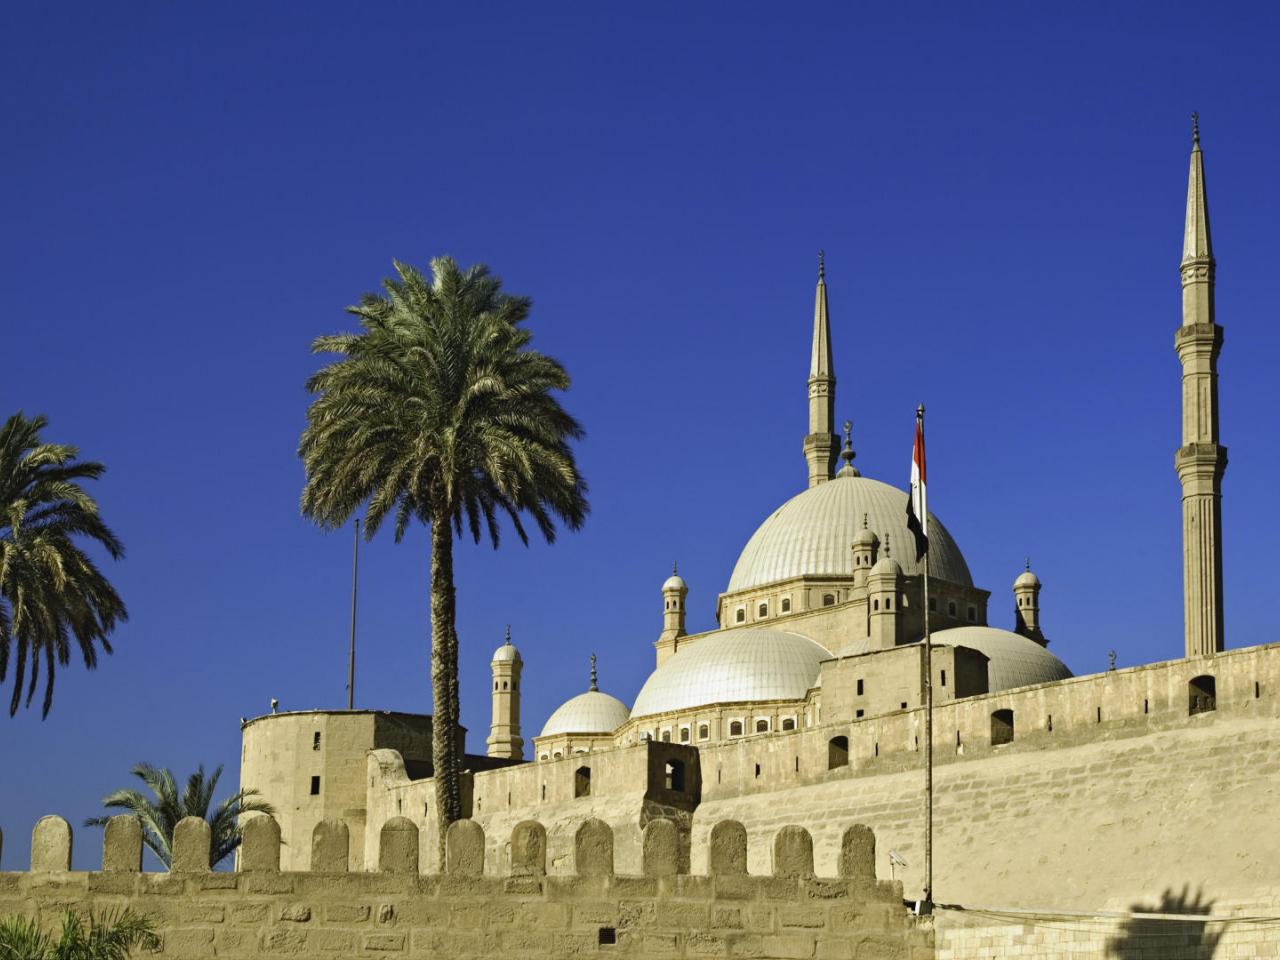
point(191, 193)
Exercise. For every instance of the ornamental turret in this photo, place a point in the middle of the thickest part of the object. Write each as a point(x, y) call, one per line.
point(674, 592)
point(883, 593)
point(864, 553)
point(1201, 460)
point(504, 728)
point(821, 445)
point(1026, 606)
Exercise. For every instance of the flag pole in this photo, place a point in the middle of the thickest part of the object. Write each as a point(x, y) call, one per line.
point(351, 657)
point(926, 905)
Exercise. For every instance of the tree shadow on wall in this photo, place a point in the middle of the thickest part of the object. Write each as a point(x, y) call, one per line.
point(1142, 937)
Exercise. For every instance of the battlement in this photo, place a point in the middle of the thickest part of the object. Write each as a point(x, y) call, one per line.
point(260, 910)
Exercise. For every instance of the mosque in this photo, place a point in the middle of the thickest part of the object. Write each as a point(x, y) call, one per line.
point(805, 703)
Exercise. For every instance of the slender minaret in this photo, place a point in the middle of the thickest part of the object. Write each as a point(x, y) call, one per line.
point(504, 728)
point(821, 445)
point(1026, 606)
point(674, 591)
point(1201, 460)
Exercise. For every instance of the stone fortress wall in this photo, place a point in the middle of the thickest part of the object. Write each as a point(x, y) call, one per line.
point(260, 911)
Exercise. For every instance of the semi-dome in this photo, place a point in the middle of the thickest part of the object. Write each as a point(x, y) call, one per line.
point(590, 712)
point(742, 665)
point(1012, 659)
point(813, 532)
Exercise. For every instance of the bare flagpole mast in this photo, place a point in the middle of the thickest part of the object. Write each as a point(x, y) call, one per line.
point(351, 659)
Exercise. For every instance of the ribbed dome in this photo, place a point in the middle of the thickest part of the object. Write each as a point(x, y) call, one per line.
point(742, 665)
point(505, 652)
point(813, 532)
point(590, 712)
point(1012, 659)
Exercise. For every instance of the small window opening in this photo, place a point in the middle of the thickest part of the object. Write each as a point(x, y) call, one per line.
point(888, 603)
point(957, 738)
point(582, 782)
point(859, 686)
point(315, 786)
point(399, 804)
point(828, 599)
point(1001, 727)
point(762, 726)
point(495, 686)
point(875, 604)
point(951, 608)
point(877, 749)
point(933, 603)
point(1257, 690)
point(557, 755)
point(1201, 695)
point(684, 734)
point(426, 809)
point(608, 936)
point(786, 604)
point(544, 791)
point(504, 684)
point(1099, 715)
point(704, 732)
point(837, 752)
point(718, 771)
point(902, 705)
point(789, 723)
point(735, 728)
point(666, 736)
point(973, 614)
point(757, 771)
point(675, 775)
point(762, 610)
point(857, 714)
point(740, 616)
point(797, 764)
point(315, 741)
point(1049, 723)
point(944, 678)
point(1146, 706)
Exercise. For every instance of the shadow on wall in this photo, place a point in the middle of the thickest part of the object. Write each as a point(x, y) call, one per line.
point(1141, 937)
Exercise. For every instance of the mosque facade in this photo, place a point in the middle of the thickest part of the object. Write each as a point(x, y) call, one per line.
point(806, 700)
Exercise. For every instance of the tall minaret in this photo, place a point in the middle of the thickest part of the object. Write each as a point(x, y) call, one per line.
point(821, 445)
point(504, 729)
point(1201, 460)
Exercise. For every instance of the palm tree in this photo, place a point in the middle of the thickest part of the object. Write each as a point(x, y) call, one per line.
point(159, 816)
point(51, 592)
point(440, 412)
point(108, 936)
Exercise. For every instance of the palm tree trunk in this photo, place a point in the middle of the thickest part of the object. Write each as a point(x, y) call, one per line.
point(444, 679)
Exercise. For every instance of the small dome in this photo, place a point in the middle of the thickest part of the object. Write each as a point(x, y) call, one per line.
point(746, 664)
point(1026, 579)
point(674, 582)
point(886, 566)
point(590, 712)
point(810, 534)
point(866, 538)
point(1012, 659)
point(505, 653)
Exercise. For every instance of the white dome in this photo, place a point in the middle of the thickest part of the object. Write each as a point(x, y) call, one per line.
point(812, 534)
point(505, 652)
point(674, 582)
point(1012, 659)
point(746, 664)
point(1027, 579)
point(590, 712)
point(886, 566)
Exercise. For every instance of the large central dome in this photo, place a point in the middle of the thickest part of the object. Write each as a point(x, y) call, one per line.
point(812, 535)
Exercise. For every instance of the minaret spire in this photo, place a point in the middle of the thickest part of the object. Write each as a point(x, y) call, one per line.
point(821, 445)
point(1201, 460)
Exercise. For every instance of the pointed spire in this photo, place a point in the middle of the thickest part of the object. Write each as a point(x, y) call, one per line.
point(820, 364)
point(594, 684)
point(1196, 243)
point(821, 445)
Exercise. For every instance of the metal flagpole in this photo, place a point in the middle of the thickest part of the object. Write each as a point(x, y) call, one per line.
point(926, 905)
point(351, 660)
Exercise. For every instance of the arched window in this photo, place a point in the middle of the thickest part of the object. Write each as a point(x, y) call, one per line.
point(789, 723)
point(557, 755)
point(837, 752)
point(315, 741)
point(704, 732)
point(504, 684)
point(762, 610)
point(762, 726)
point(675, 775)
point(875, 604)
point(786, 604)
point(666, 736)
point(888, 603)
point(951, 608)
point(973, 614)
point(740, 616)
point(1201, 695)
point(1001, 727)
point(582, 782)
point(684, 734)
point(828, 599)
point(735, 728)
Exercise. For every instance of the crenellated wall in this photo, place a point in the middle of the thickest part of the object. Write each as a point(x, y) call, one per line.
point(461, 913)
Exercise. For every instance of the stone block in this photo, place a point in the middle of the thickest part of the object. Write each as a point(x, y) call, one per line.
point(728, 849)
point(122, 845)
point(296, 913)
point(248, 912)
point(260, 845)
point(384, 942)
point(793, 853)
point(529, 849)
point(346, 912)
point(192, 941)
point(192, 841)
point(330, 847)
point(51, 845)
point(660, 849)
point(341, 942)
point(464, 848)
point(858, 853)
point(284, 941)
point(593, 849)
point(398, 846)
point(794, 946)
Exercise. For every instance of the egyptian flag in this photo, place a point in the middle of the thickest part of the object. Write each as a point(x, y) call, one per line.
point(918, 503)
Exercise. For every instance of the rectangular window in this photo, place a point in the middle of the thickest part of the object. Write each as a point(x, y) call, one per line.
point(315, 786)
point(859, 686)
point(944, 678)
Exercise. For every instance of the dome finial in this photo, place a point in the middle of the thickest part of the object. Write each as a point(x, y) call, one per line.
point(594, 685)
point(508, 633)
point(1028, 565)
point(675, 568)
point(887, 551)
point(1195, 130)
point(847, 454)
point(822, 266)
point(864, 521)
